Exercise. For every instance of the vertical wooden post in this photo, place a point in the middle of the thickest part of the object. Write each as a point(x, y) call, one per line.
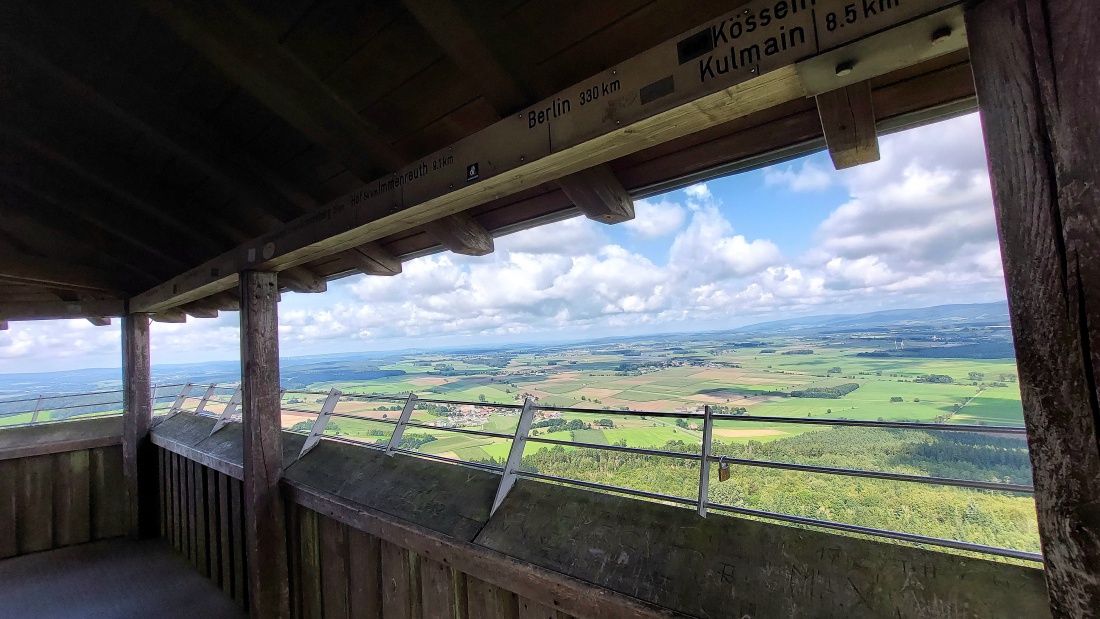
point(265, 530)
point(138, 461)
point(1037, 83)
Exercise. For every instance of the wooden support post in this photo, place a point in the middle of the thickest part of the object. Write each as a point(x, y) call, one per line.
point(461, 234)
point(599, 195)
point(848, 122)
point(138, 454)
point(265, 531)
point(1037, 83)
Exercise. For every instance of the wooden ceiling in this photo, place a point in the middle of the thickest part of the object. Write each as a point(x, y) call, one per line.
point(141, 138)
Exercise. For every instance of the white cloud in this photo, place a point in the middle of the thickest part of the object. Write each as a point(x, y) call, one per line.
point(698, 191)
point(808, 177)
point(708, 248)
point(656, 219)
point(921, 219)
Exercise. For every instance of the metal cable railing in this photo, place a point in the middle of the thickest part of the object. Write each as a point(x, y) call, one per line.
point(706, 419)
point(49, 408)
point(223, 403)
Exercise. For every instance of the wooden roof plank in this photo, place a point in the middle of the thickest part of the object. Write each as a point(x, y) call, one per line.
point(153, 117)
point(456, 36)
point(277, 79)
point(90, 213)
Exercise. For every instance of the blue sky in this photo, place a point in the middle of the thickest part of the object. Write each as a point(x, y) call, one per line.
point(914, 229)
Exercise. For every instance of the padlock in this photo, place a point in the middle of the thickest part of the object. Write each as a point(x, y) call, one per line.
point(723, 469)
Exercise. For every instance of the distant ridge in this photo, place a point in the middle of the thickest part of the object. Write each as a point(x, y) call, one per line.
point(972, 313)
point(77, 381)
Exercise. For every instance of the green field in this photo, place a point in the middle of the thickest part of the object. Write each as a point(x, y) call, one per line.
point(712, 373)
point(618, 378)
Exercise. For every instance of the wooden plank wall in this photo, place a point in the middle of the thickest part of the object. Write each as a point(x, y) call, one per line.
point(202, 517)
point(337, 571)
point(59, 499)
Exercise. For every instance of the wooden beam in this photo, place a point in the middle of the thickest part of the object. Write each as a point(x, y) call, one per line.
point(373, 259)
point(229, 39)
point(667, 92)
point(457, 37)
point(226, 301)
point(49, 272)
point(848, 121)
point(265, 531)
point(599, 195)
point(198, 309)
point(301, 279)
point(138, 454)
point(57, 310)
point(170, 315)
point(209, 307)
point(100, 321)
point(461, 234)
point(1036, 78)
point(3, 325)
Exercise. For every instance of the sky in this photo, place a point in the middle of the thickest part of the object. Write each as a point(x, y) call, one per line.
point(914, 229)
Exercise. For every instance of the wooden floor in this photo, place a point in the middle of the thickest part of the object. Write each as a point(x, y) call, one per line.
point(113, 578)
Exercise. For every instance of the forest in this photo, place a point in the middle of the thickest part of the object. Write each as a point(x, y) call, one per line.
point(985, 517)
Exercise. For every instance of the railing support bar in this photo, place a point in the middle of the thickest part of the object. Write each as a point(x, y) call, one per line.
point(228, 411)
point(406, 413)
point(515, 455)
point(177, 405)
point(37, 407)
point(704, 463)
point(320, 423)
point(205, 399)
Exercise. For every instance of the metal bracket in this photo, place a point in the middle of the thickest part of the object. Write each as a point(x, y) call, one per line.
point(205, 398)
point(228, 411)
point(406, 412)
point(320, 423)
point(515, 455)
point(37, 407)
point(704, 463)
point(177, 404)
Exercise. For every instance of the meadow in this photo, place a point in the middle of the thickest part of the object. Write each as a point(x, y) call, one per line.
point(856, 374)
point(650, 375)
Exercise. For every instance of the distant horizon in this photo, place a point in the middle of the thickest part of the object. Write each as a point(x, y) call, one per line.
point(503, 345)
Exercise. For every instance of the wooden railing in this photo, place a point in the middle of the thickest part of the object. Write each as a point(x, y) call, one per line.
point(60, 484)
point(406, 537)
point(201, 515)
